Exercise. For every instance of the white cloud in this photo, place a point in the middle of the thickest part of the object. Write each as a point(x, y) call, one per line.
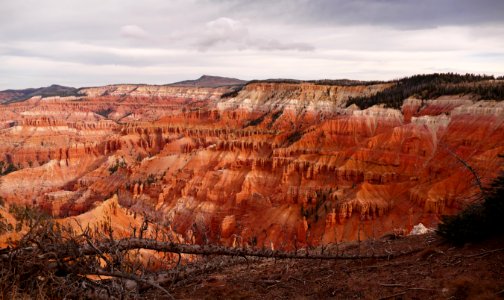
point(134, 32)
point(277, 45)
point(223, 30)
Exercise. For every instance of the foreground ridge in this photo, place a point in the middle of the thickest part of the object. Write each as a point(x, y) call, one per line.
point(110, 268)
point(60, 256)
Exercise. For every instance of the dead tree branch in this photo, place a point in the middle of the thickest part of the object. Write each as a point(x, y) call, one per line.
point(135, 243)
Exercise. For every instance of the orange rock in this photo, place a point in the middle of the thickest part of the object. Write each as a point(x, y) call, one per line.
point(275, 163)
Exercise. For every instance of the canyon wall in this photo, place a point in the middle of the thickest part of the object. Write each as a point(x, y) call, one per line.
point(275, 164)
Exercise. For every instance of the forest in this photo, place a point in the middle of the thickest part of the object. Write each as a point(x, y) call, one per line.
point(430, 86)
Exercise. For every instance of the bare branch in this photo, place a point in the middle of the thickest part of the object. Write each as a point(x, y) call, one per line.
point(468, 167)
point(130, 244)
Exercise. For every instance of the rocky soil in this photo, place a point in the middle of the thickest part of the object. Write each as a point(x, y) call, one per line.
point(436, 271)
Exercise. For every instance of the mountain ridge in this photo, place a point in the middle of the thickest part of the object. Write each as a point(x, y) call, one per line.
point(210, 81)
point(12, 95)
point(422, 85)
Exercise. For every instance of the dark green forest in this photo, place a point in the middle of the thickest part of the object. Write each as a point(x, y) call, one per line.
point(430, 86)
point(423, 86)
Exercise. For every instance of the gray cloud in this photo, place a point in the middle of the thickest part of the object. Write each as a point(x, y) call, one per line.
point(158, 41)
point(224, 31)
point(404, 14)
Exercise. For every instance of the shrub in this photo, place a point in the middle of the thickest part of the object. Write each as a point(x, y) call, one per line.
point(104, 112)
point(276, 115)
point(7, 168)
point(118, 164)
point(27, 214)
point(478, 221)
point(3, 225)
point(255, 122)
point(293, 137)
point(231, 94)
point(151, 179)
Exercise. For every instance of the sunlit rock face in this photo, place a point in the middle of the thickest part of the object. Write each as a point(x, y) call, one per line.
point(276, 164)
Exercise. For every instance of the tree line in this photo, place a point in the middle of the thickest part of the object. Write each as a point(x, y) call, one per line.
point(430, 86)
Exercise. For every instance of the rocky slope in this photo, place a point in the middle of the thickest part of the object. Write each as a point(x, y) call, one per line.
point(273, 164)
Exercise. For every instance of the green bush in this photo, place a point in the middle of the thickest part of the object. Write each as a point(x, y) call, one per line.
point(6, 168)
point(118, 164)
point(104, 112)
point(293, 137)
point(478, 221)
point(151, 179)
point(255, 122)
point(27, 214)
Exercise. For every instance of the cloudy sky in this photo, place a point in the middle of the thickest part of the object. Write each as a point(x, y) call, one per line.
point(96, 42)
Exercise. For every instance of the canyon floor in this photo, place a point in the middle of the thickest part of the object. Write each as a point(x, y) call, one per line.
point(436, 271)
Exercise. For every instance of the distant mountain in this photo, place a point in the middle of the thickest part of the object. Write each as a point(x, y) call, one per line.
point(210, 81)
point(10, 96)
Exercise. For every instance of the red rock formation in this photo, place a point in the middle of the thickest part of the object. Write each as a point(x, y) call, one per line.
point(277, 165)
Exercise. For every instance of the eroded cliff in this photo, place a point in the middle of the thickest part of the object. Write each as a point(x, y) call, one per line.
point(275, 164)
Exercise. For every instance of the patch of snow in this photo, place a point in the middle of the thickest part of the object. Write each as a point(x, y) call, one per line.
point(420, 229)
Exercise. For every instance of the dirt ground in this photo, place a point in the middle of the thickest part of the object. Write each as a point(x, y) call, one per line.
point(436, 271)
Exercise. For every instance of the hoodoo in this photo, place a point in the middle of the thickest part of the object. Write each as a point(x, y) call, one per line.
point(269, 162)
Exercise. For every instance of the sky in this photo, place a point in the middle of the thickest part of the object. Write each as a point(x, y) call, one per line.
point(98, 42)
